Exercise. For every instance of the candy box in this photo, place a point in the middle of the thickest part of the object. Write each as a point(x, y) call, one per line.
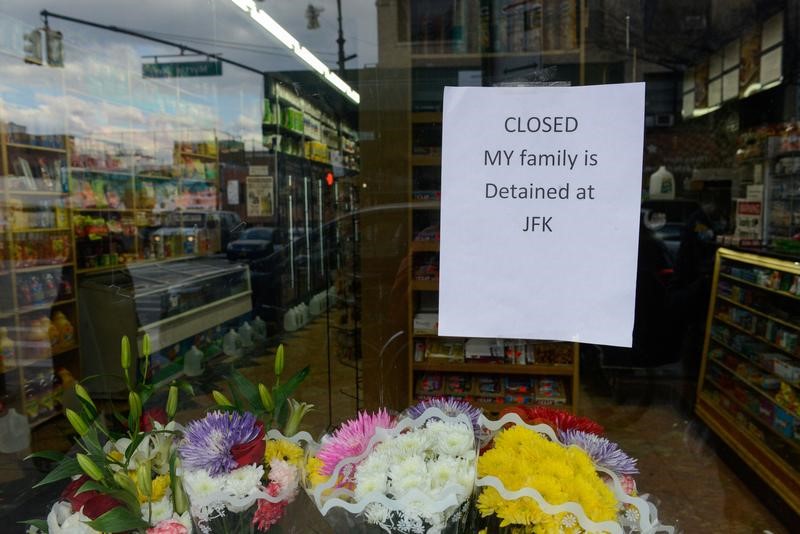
point(518, 384)
point(550, 391)
point(458, 384)
point(787, 370)
point(784, 422)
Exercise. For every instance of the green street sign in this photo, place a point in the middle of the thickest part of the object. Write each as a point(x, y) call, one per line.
point(186, 69)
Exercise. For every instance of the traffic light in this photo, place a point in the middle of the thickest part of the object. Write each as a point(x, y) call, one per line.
point(329, 178)
point(32, 47)
point(55, 47)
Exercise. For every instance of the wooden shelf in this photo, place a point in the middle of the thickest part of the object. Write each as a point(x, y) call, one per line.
point(425, 246)
point(41, 420)
point(157, 177)
point(779, 475)
point(754, 311)
point(423, 160)
point(36, 147)
point(754, 336)
point(39, 230)
point(44, 306)
point(425, 285)
point(425, 204)
point(36, 193)
point(751, 362)
point(426, 116)
point(102, 210)
point(198, 156)
point(493, 368)
point(110, 172)
point(37, 268)
point(757, 286)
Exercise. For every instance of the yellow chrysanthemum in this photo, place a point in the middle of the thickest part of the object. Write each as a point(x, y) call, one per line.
point(314, 470)
point(159, 488)
point(283, 450)
point(560, 474)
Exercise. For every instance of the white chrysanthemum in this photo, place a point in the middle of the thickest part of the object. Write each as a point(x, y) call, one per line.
point(411, 466)
point(161, 510)
point(376, 513)
point(200, 485)
point(370, 482)
point(241, 481)
point(441, 471)
point(453, 439)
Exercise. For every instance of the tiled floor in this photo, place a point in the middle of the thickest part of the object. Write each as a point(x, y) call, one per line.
point(679, 459)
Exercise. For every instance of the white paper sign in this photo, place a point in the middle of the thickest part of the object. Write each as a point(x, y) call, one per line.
point(541, 190)
point(233, 192)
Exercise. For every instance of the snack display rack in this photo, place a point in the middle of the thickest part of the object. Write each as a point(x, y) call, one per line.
point(749, 382)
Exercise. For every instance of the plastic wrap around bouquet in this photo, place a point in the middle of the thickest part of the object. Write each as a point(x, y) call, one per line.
point(545, 470)
point(239, 478)
point(411, 474)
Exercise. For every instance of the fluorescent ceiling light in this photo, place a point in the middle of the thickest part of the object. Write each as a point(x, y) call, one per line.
point(280, 33)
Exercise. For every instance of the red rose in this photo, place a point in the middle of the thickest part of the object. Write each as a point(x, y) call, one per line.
point(100, 504)
point(75, 499)
point(251, 452)
point(152, 415)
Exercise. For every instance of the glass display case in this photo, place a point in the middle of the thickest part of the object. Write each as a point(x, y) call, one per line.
point(171, 302)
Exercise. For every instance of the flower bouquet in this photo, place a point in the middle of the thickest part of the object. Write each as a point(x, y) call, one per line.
point(412, 475)
point(549, 471)
point(238, 476)
point(120, 482)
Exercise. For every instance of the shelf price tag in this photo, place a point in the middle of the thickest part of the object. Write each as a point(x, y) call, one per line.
point(540, 209)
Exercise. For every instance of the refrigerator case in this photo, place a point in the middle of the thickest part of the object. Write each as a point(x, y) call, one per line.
point(169, 301)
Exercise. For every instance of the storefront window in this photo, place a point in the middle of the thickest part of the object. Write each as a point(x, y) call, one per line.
point(214, 180)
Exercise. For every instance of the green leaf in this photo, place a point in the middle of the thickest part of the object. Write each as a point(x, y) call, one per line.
point(135, 442)
point(47, 455)
point(38, 523)
point(91, 485)
point(247, 389)
point(92, 443)
point(118, 520)
point(67, 468)
point(145, 392)
point(285, 390)
point(185, 386)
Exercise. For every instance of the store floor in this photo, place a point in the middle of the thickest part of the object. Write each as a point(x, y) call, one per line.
point(697, 485)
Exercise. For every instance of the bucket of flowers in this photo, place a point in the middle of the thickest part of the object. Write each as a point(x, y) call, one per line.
point(408, 475)
point(240, 474)
point(120, 481)
point(546, 470)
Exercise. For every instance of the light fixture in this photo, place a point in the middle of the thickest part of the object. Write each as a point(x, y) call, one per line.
point(280, 33)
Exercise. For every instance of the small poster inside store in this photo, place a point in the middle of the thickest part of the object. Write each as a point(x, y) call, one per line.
point(260, 200)
point(540, 212)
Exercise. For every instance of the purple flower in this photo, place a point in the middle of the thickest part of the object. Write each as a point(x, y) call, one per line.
point(207, 442)
point(451, 406)
point(603, 453)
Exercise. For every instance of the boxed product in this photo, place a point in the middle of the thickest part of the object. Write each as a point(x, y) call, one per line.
point(458, 384)
point(518, 399)
point(426, 323)
point(419, 351)
point(518, 384)
point(784, 422)
point(489, 385)
point(552, 353)
point(484, 349)
point(444, 350)
point(430, 384)
point(788, 370)
point(550, 391)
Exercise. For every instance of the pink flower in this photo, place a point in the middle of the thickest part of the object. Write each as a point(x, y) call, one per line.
point(168, 526)
point(283, 474)
point(352, 438)
point(269, 513)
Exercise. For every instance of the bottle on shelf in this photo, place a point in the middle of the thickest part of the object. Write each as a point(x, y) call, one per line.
point(6, 349)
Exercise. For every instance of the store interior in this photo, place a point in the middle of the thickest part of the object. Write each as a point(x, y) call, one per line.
point(215, 211)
